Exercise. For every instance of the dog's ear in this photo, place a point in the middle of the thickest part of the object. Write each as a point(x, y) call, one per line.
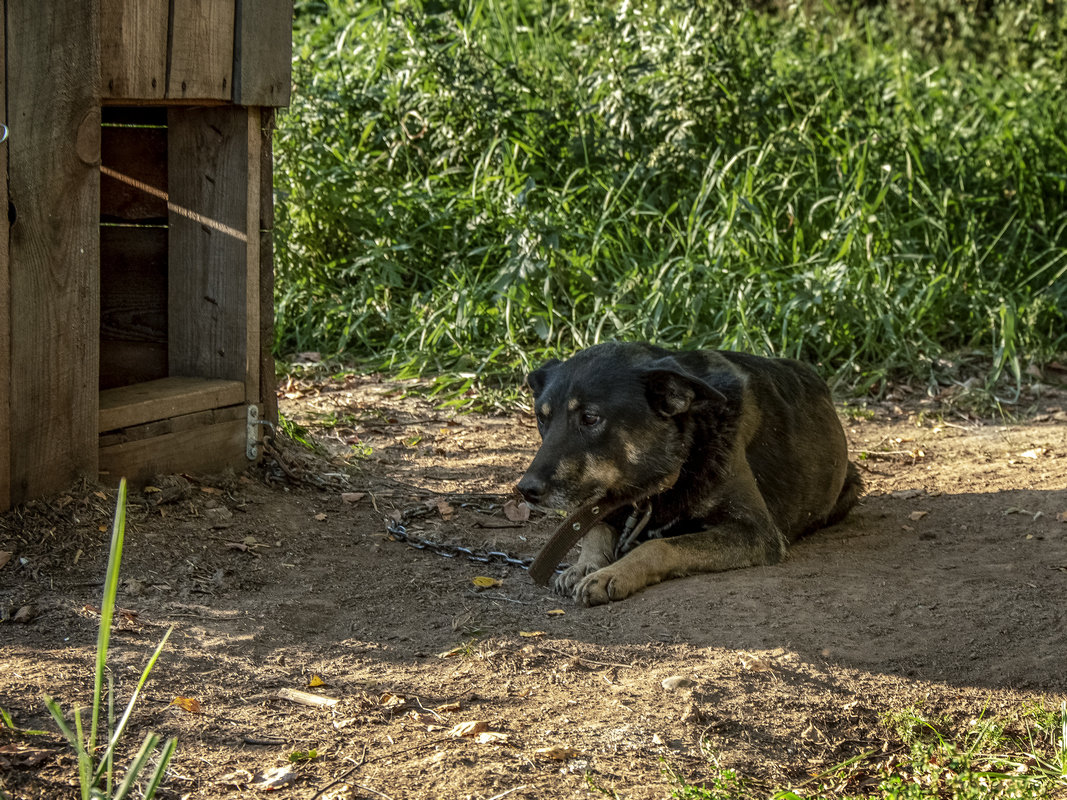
point(671, 389)
point(537, 379)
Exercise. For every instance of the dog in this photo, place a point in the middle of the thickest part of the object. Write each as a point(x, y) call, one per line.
point(718, 459)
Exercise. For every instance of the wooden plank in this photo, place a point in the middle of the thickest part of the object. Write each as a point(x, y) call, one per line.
point(139, 403)
point(185, 422)
point(133, 49)
point(201, 50)
point(203, 450)
point(268, 380)
point(263, 52)
point(208, 180)
point(53, 103)
point(154, 116)
point(133, 181)
point(252, 263)
point(5, 291)
point(133, 305)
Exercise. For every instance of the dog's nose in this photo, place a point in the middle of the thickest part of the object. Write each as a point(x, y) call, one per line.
point(532, 488)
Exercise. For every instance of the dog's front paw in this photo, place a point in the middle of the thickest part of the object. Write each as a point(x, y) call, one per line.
point(607, 584)
point(567, 580)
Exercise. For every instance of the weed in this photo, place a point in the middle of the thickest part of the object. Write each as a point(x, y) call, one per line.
point(867, 188)
point(93, 768)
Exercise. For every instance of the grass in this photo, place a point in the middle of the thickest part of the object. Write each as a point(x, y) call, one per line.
point(467, 187)
point(1021, 759)
point(96, 770)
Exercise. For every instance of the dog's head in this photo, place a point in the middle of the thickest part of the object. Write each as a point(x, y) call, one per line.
point(612, 425)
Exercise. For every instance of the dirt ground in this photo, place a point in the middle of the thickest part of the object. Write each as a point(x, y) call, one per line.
point(945, 591)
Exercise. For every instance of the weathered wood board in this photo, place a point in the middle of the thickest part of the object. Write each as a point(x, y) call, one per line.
point(262, 60)
point(207, 283)
point(5, 290)
point(54, 191)
point(133, 52)
point(208, 441)
point(201, 50)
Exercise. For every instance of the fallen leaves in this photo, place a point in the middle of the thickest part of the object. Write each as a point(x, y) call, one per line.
point(22, 755)
point(190, 704)
point(557, 753)
point(470, 728)
point(273, 779)
point(5, 556)
point(516, 511)
point(482, 582)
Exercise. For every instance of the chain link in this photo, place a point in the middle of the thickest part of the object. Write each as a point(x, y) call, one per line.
point(399, 532)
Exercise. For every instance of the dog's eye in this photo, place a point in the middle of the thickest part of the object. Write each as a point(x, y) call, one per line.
point(589, 419)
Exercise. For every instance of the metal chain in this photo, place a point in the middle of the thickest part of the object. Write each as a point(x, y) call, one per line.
point(400, 533)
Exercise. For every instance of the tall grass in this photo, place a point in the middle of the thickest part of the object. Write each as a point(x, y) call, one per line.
point(478, 183)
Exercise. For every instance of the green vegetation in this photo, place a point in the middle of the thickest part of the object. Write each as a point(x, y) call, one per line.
point(467, 186)
point(1024, 760)
point(94, 769)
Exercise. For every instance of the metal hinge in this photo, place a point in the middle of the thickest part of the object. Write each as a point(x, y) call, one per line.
point(253, 423)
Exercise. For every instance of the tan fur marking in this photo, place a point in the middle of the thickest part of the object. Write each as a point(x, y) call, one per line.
point(546, 409)
point(602, 472)
point(572, 404)
point(633, 452)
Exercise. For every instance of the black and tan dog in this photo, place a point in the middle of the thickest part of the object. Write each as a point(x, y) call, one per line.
point(718, 459)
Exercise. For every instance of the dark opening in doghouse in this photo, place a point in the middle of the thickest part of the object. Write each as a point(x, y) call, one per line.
point(133, 246)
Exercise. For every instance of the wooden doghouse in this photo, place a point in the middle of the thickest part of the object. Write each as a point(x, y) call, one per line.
point(136, 274)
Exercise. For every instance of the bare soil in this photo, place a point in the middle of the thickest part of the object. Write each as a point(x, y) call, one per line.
point(945, 591)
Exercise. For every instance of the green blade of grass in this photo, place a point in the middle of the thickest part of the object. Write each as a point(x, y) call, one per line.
point(133, 771)
point(107, 606)
point(117, 734)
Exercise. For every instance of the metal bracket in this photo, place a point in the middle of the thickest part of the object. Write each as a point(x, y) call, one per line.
point(253, 423)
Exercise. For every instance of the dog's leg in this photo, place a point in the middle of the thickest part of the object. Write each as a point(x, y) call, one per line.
point(598, 549)
point(726, 546)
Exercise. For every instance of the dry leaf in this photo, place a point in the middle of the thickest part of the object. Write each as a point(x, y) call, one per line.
point(531, 634)
point(22, 755)
point(516, 511)
point(320, 517)
point(755, 664)
point(472, 728)
point(455, 651)
point(316, 681)
point(25, 614)
point(557, 753)
point(1062, 516)
point(556, 612)
point(429, 720)
point(190, 704)
point(5, 556)
point(390, 700)
point(1037, 452)
point(491, 737)
point(915, 516)
point(444, 509)
point(483, 582)
point(448, 708)
point(274, 778)
point(352, 497)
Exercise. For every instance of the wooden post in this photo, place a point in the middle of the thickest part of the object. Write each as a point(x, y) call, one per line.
point(268, 380)
point(54, 189)
point(5, 290)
